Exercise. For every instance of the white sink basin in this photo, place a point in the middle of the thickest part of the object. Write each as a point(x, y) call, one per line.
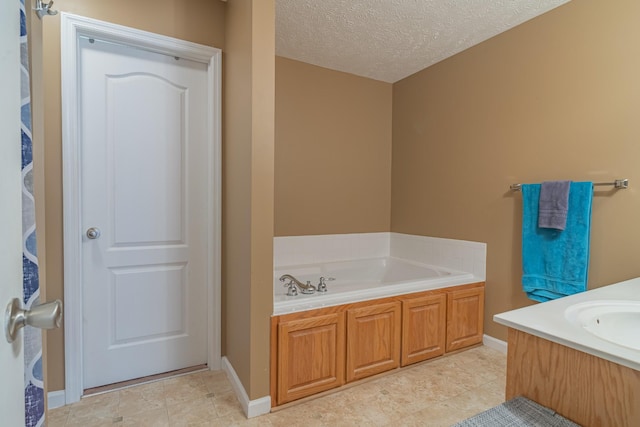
point(616, 321)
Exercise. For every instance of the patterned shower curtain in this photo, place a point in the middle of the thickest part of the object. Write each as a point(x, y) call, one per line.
point(33, 381)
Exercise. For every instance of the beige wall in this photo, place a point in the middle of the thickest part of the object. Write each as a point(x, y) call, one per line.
point(199, 21)
point(248, 190)
point(555, 98)
point(333, 151)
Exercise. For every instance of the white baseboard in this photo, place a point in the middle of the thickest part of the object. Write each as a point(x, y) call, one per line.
point(251, 408)
point(56, 399)
point(495, 343)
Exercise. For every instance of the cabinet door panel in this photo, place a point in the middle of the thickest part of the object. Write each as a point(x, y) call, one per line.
point(465, 311)
point(373, 340)
point(310, 356)
point(423, 328)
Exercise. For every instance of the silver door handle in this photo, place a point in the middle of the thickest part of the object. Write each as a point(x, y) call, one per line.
point(43, 316)
point(93, 233)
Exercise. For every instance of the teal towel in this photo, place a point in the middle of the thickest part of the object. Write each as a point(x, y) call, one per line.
point(555, 262)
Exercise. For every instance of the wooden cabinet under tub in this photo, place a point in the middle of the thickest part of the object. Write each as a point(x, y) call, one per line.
point(373, 340)
point(424, 324)
point(310, 355)
point(465, 313)
point(317, 350)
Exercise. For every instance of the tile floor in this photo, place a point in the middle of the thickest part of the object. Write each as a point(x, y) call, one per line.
point(436, 393)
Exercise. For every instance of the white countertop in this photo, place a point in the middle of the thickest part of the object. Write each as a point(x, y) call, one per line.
point(547, 320)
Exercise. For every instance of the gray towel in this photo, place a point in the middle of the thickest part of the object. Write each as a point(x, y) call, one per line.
point(554, 204)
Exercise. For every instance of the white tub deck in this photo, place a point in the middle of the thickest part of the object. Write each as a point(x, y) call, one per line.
point(362, 280)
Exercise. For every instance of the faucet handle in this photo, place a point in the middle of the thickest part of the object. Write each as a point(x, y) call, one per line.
point(322, 286)
point(292, 291)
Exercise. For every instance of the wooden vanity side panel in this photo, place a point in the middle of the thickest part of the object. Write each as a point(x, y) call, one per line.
point(373, 340)
point(423, 328)
point(586, 389)
point(310, 356)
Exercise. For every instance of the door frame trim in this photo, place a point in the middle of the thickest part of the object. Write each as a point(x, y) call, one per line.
point(73, 27)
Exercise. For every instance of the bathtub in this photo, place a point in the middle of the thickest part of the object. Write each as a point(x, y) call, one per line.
point(361, 280)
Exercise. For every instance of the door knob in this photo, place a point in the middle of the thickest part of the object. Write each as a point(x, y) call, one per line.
point(43, 316)
point(93, 233)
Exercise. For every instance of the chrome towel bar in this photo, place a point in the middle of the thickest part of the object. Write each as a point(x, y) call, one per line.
point(618, 184)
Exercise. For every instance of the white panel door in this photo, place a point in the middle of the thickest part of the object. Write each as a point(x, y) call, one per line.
point(143, 142)
point(11, 355)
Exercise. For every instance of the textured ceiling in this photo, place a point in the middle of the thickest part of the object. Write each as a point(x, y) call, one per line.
point(389, 40)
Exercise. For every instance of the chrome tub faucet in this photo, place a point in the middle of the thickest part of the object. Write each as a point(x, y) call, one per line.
point(307, 288)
